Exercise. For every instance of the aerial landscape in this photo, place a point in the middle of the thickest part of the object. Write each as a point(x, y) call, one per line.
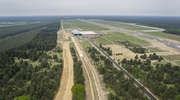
point(74, 54)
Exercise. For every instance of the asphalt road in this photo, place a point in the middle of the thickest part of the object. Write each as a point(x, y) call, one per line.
point(117, 29)
point(136, 82)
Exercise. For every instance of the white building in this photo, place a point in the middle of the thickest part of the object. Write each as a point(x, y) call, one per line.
point(76, 32)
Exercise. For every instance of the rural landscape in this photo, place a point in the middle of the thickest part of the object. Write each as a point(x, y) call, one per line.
point(89, 58)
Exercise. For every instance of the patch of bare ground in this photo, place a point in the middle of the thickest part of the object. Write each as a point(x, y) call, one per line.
point(67, 78)
point(120, 52)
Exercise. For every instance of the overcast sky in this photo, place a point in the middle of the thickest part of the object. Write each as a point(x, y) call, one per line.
point(90, 7)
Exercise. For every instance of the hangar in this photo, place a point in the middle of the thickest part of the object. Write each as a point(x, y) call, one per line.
point(76, 32)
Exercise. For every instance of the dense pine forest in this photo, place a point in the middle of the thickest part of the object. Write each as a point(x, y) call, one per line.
point(162, 79)
point(32, 71)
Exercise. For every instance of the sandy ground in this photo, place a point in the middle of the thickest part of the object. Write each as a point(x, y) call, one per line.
point(64, 92)
point(119, 49)
point(94, 86)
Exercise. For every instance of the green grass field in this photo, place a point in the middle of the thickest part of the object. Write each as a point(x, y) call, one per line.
point(116, 37)
point(76, 24)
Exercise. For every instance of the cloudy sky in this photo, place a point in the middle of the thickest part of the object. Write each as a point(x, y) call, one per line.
point(90, 7)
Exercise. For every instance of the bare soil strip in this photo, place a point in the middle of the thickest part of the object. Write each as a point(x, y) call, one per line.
point(64, 92)
point(95, 84)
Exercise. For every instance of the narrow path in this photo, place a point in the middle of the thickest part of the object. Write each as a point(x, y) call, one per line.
point(96, 89)
point(64, 92)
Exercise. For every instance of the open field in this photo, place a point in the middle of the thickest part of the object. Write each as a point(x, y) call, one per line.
point(118, 37)
point(76, 24)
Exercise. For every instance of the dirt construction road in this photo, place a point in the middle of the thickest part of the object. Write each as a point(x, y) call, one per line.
point(64, 92)
point(96, 90)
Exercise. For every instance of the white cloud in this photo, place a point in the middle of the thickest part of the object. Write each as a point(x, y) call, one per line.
point(119, 7)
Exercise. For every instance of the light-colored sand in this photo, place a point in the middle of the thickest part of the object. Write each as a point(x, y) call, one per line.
point(119, 49)
point(67, 78)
